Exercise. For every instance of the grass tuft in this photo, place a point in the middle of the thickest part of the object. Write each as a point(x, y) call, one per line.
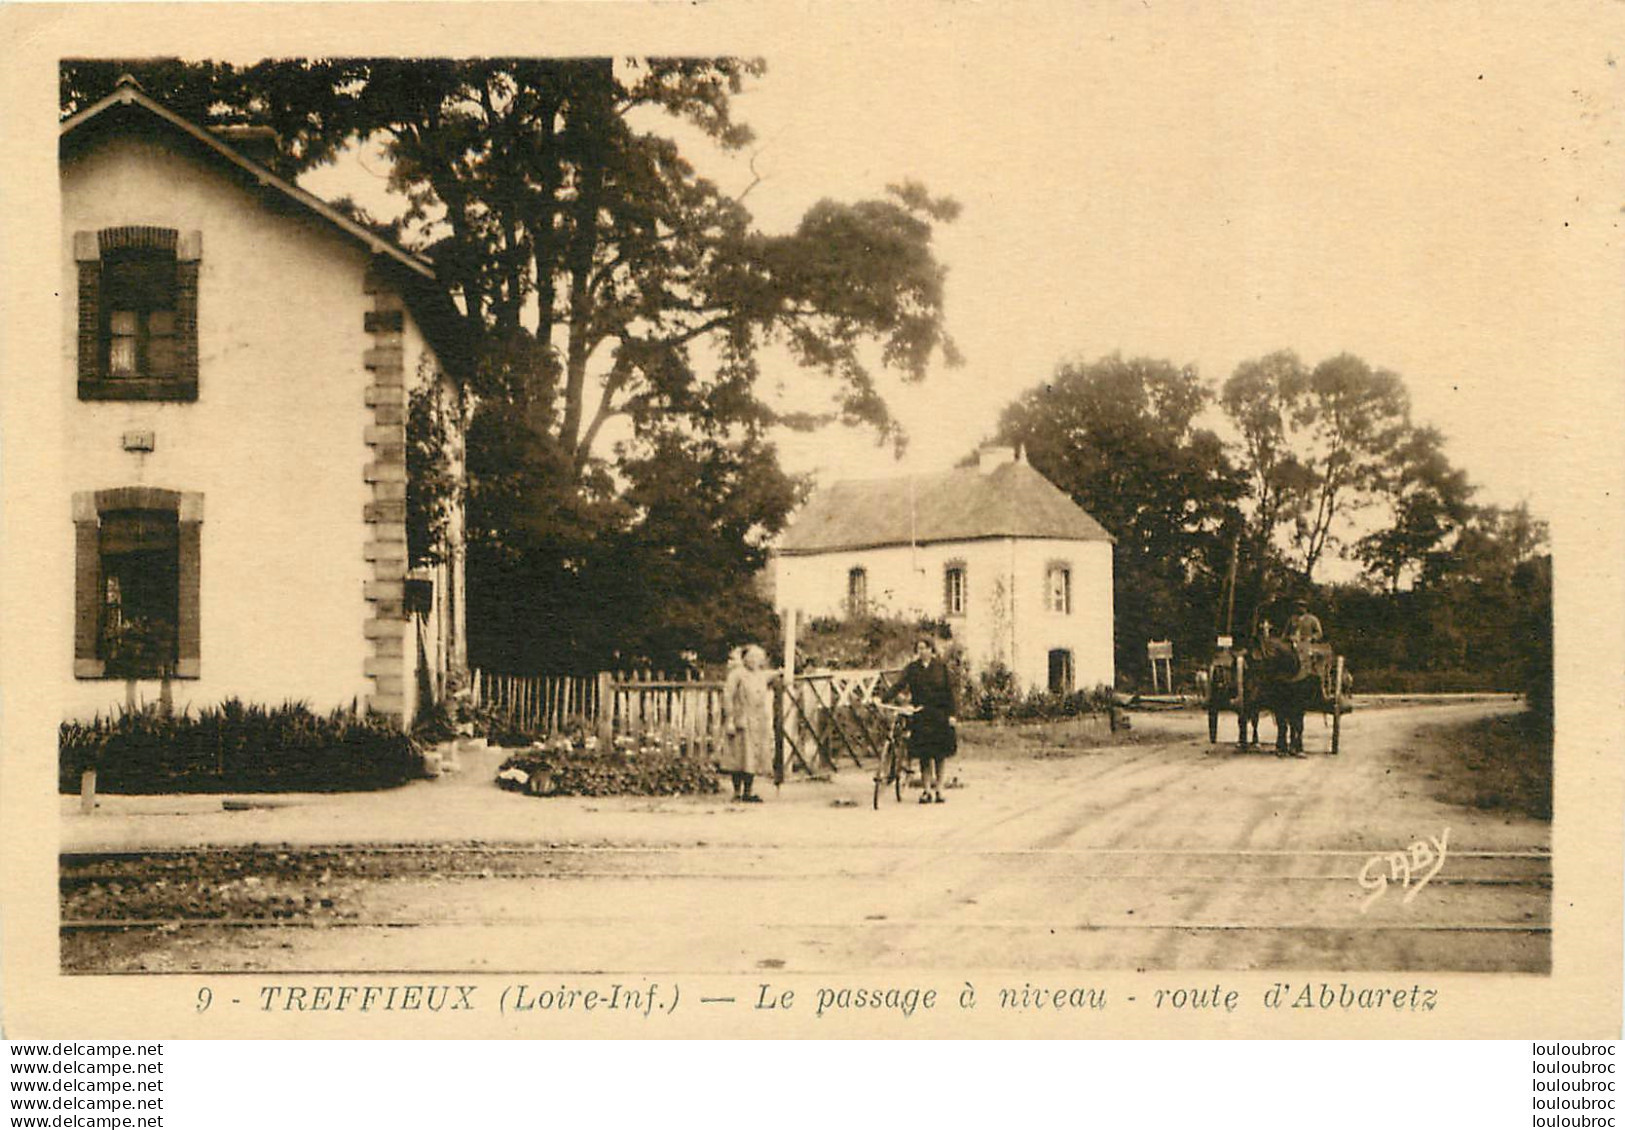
point(1498, 764)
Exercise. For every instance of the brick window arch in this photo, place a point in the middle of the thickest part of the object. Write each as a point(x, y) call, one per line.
point(137, 557)
point(138, 290)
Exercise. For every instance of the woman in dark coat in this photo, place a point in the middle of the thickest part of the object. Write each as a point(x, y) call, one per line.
point(932, 735)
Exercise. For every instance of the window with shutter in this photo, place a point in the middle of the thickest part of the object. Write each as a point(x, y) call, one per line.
point(138, 553)
point(138, 313)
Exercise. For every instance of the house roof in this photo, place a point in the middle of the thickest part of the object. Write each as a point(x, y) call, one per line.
point(128, 94)
point(1010, 501)
point(432, 308)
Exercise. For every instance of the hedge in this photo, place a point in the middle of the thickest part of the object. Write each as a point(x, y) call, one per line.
point(237, 747)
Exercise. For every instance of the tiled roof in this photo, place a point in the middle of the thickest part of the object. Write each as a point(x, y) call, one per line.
point(128, 95)
point(1012, 500)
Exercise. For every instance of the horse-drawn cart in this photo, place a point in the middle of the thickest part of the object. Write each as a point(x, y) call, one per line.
point(1290, 679)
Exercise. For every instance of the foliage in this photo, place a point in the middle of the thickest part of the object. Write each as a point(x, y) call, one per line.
point(1120, 437)
point(869, 642)
point(565, 769)
point(1355, 418)
point(1317, 449)
point(1464, 633)
point(446, 721)
point(236, 747)
point(1428, 506)
point(602, 281)
point(433, 482)
point(1323, 446)
point(1319, 446)
point(997, 698)
point(136, 646)
point(1497, 764)
point(1532, 587)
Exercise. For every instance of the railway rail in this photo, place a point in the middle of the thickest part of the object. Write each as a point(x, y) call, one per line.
point(149, 879)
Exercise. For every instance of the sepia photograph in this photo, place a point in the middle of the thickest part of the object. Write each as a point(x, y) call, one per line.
point(1067, 517)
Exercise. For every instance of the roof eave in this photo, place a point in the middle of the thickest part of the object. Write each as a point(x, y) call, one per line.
point(856, 547)
point(129, 96)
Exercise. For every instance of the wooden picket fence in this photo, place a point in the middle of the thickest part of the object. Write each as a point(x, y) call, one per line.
point(825, 720)
point(610, 704)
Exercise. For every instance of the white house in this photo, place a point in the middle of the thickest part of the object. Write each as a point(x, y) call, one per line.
point(1020, 572)
point(235, 366)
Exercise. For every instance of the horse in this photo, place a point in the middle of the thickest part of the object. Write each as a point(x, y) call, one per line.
point(1290, 683)
point(1249, 709)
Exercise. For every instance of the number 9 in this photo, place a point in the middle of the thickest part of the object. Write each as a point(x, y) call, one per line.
point(205, 997)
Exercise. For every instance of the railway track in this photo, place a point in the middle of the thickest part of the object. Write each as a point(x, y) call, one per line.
point(174, 890)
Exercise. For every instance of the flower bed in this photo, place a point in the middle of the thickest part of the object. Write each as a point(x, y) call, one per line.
point(575, 766)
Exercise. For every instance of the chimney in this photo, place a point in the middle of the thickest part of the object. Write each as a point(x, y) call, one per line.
point(259, 144)
point(990, 459)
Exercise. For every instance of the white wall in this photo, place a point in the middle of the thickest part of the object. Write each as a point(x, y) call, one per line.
point(274, 441)
point(1086, 631)
point(1006, 618)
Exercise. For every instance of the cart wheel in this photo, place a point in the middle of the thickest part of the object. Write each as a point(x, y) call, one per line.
point(1337, 704)
point(1212, 724)
point(1240, 699)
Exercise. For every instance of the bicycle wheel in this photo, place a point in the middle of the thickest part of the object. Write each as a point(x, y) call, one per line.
point(1337, 706)
point(880, 771)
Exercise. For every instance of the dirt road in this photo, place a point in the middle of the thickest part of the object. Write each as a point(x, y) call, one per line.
point(1165, 854)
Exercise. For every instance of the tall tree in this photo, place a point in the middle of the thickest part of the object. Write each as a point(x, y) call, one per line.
point(1428, 502)
point(602, 279)
point(1262, 398)
point(1318, 447)
point(1494, 543)
point(1355, 418)
point(1120, 437)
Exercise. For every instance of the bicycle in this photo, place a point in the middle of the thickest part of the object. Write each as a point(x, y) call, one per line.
point(894, 758)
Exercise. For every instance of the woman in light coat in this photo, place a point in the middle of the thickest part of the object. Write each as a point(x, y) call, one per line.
point(747, 712)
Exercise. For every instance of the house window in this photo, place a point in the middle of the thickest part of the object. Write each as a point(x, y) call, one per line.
point(1060, 671)
point(140, 569)
point(857, 591)
point(137, 313)
point(137, 565)
point(953, 584)
point(1058, 588)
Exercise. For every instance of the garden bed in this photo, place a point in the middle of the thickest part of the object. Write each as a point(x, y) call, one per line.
point(576, 766)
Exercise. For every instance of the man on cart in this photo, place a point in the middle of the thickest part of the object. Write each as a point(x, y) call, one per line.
point(1303, 626)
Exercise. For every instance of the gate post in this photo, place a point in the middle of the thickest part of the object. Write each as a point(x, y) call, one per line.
point(606, 711)
point(786, 702)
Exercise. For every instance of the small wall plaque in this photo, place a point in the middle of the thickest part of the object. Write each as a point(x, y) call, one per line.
point(138, 441)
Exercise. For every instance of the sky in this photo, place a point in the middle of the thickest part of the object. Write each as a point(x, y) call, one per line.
point(1434, 190)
